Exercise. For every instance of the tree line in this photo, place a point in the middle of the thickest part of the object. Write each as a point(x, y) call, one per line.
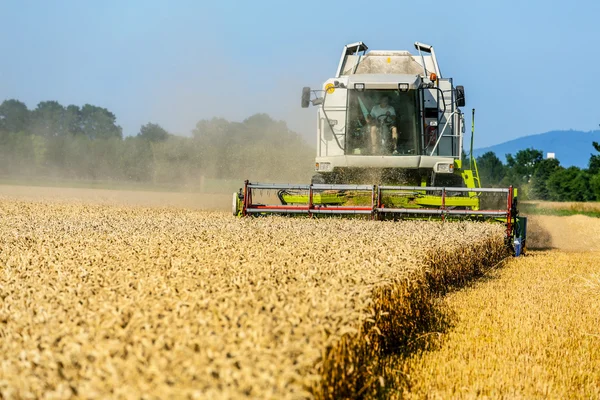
point(542, 178)
point(86, 143)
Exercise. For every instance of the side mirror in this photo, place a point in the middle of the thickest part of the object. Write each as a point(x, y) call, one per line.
point(305, 97)
point(460, 96)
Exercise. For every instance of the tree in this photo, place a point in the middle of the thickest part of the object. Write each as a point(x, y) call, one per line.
point(153, 133)
point(543, 171)
point(47, 119)
point(594, 164)
point(71, 121)
point(491, 169)
point(595, 186)
point(99, 123)
point(570, 184)
point(522, 166)
point(594, 171)
point(14, 116)
point(87, 143)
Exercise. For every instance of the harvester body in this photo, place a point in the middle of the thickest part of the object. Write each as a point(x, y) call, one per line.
point(389, 146)
point(418, 138)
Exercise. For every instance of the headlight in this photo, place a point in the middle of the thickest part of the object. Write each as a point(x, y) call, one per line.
point(403, 87)
point(444, 168)
point(359, 86)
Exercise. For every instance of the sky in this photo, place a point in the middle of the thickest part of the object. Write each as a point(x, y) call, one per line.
point(527, 66)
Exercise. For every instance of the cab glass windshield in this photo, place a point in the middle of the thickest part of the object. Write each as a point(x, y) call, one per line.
point(382, 122)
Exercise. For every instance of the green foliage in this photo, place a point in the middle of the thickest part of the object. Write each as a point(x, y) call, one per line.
point(47, 118)
point(543, 179)
point(14, 116)
point(570, 184)
point(595, 185)
point(99, 123)
point(491, 169)
point(594, 164)
point(51, 119)
point(544, 169)
point(153, 133)
point(72, 122)
point(521, 167)
point(86, 144)
point(594, 171)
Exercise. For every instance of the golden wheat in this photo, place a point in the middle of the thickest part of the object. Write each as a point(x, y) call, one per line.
point(130, 302)
point(532, 331)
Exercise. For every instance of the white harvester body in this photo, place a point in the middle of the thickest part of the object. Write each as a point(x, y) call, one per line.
point(428, 120)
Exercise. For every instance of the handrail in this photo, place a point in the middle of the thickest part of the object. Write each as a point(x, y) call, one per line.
point(442, 132)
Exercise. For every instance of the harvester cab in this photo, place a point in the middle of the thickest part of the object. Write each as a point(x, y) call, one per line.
point(389, 115)
point(389, 145)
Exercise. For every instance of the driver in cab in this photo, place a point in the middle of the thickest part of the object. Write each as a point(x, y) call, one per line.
point(383, 115)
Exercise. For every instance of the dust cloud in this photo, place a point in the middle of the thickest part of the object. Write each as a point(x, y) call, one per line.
point(573, 233)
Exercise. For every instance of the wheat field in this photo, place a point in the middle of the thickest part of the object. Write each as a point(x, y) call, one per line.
point(528, 330)
point(532, 330)
point(127, 301)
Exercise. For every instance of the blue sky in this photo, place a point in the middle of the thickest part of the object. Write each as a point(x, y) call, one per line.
point(528, 67)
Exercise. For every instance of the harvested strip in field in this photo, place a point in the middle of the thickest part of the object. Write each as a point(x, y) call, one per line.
point(121, 301)
point(530, 331)
point(572, 233)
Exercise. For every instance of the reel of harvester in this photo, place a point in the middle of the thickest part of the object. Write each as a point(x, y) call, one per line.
point(387, 203)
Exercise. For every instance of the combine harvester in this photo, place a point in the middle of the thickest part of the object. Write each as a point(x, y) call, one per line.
point(389, 118)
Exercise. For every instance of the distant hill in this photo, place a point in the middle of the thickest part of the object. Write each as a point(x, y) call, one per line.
point(572, 148)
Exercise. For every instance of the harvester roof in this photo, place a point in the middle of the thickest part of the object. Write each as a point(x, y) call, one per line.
point(357, 60)
point(382, 62)
point(385, 81)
